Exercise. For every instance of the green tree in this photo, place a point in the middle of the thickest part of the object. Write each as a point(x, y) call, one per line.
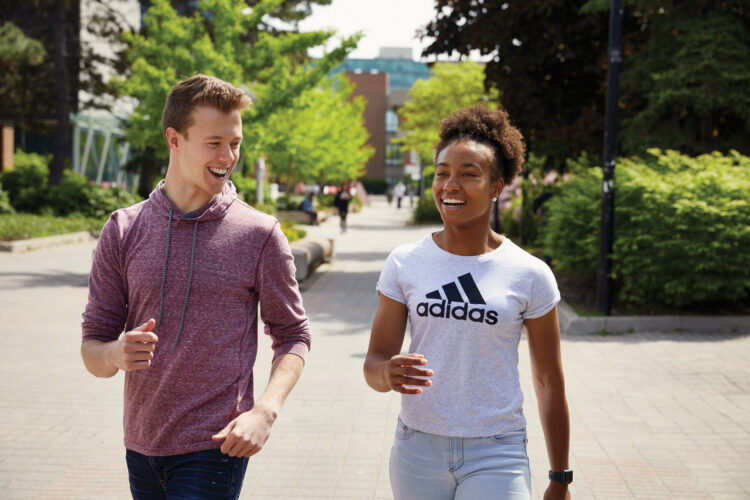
point(548, 64)
point(451, 86)
point(685, 68)
point(321, 138)
point(211, 41)
point(20, 58)
point(686, 89)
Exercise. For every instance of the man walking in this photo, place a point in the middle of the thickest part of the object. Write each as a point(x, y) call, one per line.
point(181, 274)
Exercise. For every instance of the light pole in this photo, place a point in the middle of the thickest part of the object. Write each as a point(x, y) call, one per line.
point(603, 278)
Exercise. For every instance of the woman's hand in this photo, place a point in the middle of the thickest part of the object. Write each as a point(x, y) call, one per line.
point(557, 491)
point(404, 370)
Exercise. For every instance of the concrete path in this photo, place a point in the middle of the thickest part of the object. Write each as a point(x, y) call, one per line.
point(654, 415)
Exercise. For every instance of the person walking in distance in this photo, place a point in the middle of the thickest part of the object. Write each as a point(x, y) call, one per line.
point(173, 302)
point(467, 292)
point(341, 202)
point(399, 190)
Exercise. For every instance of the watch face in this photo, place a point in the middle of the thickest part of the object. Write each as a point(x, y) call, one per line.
point(567, 476)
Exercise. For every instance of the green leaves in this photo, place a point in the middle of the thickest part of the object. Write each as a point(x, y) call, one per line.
point(451, 87)
point(213, 41)
point(681, 226)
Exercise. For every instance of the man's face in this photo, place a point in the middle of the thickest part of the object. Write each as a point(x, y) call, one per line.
point(207, 152)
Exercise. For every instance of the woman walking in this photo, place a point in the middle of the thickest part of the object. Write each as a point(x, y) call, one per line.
point(467, 292)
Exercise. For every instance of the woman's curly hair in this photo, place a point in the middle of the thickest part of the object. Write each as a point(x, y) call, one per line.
point(490, 127)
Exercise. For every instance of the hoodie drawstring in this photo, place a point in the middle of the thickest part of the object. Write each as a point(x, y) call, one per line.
point(164, 278)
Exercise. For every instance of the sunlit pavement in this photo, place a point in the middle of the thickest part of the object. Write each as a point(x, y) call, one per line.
point(653, 415)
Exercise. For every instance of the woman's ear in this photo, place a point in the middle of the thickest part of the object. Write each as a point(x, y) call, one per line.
point(497, 187)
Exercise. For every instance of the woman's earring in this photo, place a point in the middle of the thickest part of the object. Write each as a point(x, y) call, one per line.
point(494, 198)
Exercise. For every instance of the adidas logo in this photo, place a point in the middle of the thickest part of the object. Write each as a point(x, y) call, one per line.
point(453, 305)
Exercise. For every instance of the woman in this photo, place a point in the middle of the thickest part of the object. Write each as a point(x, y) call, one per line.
point(467, 292)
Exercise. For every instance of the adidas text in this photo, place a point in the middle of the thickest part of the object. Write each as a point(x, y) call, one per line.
point(461, 311)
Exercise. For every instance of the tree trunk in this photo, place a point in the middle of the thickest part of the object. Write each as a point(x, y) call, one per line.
point(62, 83)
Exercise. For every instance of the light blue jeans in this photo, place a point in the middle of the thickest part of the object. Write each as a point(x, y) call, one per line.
point(431, 467)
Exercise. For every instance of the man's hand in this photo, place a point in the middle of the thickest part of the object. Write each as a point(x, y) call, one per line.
point(245, 435)
point(134, 350)
point(402, 370)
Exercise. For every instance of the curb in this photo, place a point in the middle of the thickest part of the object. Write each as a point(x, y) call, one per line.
point(45, 242)
point(309, 253)
point(573, 324)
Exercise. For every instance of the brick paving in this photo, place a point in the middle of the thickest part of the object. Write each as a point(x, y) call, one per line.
point(654, 415)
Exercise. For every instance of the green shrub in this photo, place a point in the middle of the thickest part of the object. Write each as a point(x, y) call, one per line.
point(74, 195)
point(5, 206)
point(26, 184)
point(374, 186)
point(682, 228)
point(291, 232)
point(247, 188)
point(426, 211)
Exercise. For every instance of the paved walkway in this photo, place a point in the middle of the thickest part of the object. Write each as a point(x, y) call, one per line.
point(654, 415)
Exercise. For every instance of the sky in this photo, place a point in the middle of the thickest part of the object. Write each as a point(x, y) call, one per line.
point(385, 23)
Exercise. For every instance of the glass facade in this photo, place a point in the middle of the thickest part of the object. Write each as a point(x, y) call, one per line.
point(402, 73)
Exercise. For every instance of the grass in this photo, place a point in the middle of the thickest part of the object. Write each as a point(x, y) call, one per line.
point(24, 226)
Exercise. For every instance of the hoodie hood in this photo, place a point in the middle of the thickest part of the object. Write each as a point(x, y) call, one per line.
point(214, 209)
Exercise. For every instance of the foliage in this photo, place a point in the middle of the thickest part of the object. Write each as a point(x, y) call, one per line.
point(74, 195)
point(426, 210)
point(247, 188)
point(291, 231)
point(686, 90)
point(26, 183)
point(20, 58)
point(28, 190)
point(374, 185)
point(684, 66)
point(211, 41)
point(450, 87)
point(5, 206)
point(549, 78)
point(24, 226)
point(321, 138)
point(681, 226)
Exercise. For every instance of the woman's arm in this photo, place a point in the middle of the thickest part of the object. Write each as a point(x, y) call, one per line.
point(385, 369)
point(546, 368)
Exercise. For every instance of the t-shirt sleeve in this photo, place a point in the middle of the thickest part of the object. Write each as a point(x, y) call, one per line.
point(388, 283)
point(544, 293)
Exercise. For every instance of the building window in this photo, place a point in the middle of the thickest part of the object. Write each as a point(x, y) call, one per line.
point(393, 155)
point(391, 121)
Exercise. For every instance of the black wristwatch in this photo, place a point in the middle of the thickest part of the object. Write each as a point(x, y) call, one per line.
point(565, 476)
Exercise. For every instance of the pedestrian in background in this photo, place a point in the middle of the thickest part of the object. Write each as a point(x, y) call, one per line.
point(341, 202)
point(308, 206)
point(182, 274)
point(398, 191)
point(467, 292)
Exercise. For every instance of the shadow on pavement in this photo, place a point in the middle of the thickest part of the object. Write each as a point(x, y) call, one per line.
point(40, 280)
point(675, 336)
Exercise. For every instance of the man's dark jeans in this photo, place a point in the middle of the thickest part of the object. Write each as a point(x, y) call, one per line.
point(201, 474)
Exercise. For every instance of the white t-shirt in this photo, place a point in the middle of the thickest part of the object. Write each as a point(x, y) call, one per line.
point(466, 315)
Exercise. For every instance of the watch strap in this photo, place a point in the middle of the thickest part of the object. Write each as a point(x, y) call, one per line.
point(565, 476)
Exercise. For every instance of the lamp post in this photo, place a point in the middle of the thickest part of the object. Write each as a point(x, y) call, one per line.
point(603, 278)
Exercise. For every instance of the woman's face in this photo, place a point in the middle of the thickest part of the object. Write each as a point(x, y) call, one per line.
point(463, 185)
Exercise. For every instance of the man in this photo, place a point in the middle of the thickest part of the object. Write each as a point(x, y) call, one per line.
point(181, 274)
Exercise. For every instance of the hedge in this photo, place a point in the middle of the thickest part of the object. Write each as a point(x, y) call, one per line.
point(682, 227)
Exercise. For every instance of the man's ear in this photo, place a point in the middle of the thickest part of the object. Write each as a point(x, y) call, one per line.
point(172, 137)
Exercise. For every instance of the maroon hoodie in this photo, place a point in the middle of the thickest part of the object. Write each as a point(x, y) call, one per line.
point(201, 276)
